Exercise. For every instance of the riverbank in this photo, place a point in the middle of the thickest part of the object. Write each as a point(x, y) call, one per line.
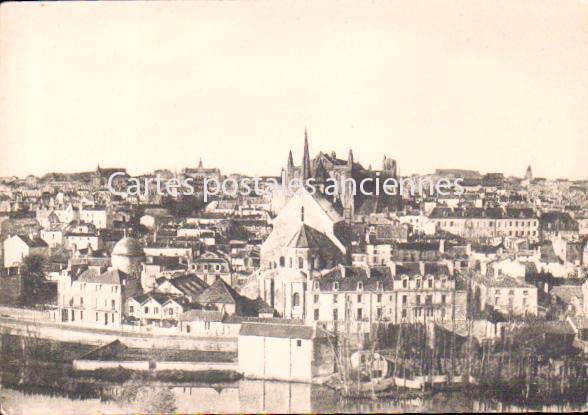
point(49, 330)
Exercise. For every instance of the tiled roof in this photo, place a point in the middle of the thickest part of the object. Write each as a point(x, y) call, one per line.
point(218, 293)
point(567, 292)
point(202, 315)
point(112, 276)
point(308, 237)
point(161, 298)
point(188, 284)
point(34, 242)
point(277, 330)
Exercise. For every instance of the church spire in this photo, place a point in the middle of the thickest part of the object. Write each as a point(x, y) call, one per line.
point(200, 163)
point(290, 166)
point(350, 159)
point(305, 158)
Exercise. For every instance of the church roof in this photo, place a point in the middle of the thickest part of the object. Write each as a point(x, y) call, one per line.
point(308, 237)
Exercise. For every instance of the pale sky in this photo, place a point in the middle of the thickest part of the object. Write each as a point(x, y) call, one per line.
point(489, 85)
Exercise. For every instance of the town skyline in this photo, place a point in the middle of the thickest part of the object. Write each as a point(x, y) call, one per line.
point(428, 84)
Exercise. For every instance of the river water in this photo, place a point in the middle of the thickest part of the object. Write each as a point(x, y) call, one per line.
point(249, 396)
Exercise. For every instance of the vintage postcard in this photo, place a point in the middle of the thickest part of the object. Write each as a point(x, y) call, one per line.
point(293, 206)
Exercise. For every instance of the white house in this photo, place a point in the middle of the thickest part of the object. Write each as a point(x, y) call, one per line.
point(19, 246)
point(283, 351)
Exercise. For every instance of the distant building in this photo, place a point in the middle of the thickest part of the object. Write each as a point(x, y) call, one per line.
point(17, 247)
point(508, 295)
point(95, 296)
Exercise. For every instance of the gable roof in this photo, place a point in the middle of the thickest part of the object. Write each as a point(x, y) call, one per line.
point(219, 293)
point(33, 242)
point(188, 284)
point(161, 298)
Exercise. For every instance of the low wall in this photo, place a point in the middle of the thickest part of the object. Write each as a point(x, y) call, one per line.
point(24, 313)
point(83, 364)
point(69, 333)
point(101, 364)
point(196, 366)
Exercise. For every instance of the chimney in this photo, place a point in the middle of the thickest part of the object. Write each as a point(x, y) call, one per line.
point(442, 246)
point(422, 267)
point(392, 266)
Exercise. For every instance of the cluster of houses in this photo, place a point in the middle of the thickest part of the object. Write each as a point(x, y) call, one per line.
point(509, 247)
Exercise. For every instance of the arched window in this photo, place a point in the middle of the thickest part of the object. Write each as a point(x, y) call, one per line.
point(295, 300)
point(282, 261)
point(300, 262)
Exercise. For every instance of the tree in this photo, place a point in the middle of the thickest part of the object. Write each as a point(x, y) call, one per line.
point(33, 274)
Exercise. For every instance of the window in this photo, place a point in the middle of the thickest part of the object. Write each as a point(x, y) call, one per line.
point(300, 262)
point(282, 261)
point(443, 299)
point(379, 298)
point(298, 341)
point(171, 312)
point(336, 285)
point(335, 314)
point(113, 304)
point(295, 299)
point(146, 310)
point(335, 298)
point(359, 298)
point(418, 299)
point(405, 283)
point(207, 325)
point(404, 299)
point(188, 328)
point(404, 313)
point(82, 301)
point(316, 298)
point(379, 313)
point(131, 309)
point(316, 314)
point(155, 310)
point(430, 283)
point(359, 313)
point(360, 285)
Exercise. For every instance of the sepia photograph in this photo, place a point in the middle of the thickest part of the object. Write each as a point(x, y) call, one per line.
point(293, 206)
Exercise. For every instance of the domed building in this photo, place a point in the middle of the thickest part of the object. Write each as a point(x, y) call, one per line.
point(127, 256)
